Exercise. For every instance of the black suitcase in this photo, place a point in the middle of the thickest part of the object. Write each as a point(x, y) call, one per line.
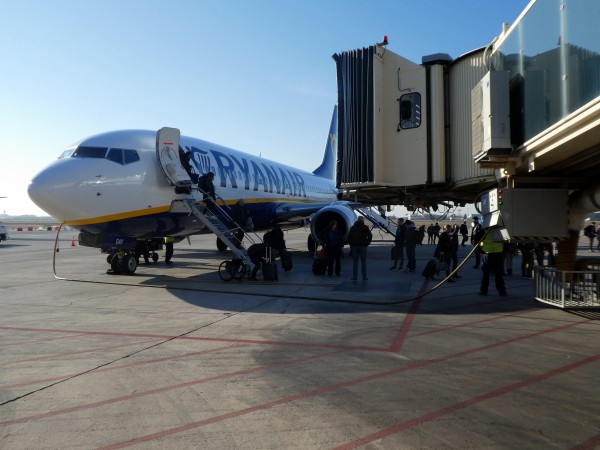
point(286, 260)
point(319, 266)
point(269, 267)
point(270, 271)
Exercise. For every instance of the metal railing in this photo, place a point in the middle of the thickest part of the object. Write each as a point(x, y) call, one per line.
point(567, 289)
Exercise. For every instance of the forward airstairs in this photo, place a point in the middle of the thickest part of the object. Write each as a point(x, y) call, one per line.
point(215, 223)
point(377, 219)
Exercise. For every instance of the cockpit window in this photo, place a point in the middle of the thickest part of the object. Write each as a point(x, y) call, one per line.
point(122, 156)
point(66, 153)
point(89, 152)
point(118, 155)
point(130, 156)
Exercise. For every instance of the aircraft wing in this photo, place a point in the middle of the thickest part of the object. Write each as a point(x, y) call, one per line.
point(298, 211)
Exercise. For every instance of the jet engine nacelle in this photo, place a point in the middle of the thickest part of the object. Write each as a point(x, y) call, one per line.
point(319, 221)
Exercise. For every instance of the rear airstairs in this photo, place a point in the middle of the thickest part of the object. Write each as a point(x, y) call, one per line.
point(377, 219)
point(215, 223)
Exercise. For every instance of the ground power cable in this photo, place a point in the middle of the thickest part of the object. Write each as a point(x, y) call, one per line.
point(422, 291)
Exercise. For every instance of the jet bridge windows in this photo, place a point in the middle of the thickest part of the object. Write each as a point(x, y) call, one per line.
point(410, 110)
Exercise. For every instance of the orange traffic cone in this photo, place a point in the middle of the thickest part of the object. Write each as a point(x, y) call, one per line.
point(73, 242)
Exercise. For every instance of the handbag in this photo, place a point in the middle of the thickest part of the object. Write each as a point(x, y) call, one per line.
point(441, 266)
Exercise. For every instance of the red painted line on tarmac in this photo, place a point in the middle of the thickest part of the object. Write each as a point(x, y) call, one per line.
point(398, 341)
point(92, 350)
point(35, 341)
point(460, 325)
point(169, 388)
point(590, 444)
point(193, 338)
point(122, 366)
point(467, 403)
point(330, 388)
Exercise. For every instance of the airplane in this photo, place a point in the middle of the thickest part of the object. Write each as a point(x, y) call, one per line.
point(122, 186)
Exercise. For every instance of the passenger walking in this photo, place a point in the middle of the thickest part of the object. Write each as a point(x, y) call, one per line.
point(430, 235)
point(410, 243)
point(359, 238)
point(477, 234)
point(333, 240)
point(454, 231)
point(493, 262)
point(464, 231)
point(443, 249)
point(240, 217)
point(399, 245)
point(436, 232)
point(205, 183)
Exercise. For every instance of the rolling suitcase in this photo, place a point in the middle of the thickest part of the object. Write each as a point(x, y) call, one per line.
point(269, 267)
point(319, 266)
point(286, 260)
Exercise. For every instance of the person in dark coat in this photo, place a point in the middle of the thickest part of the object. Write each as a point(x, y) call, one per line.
point(410, 243)
point(333, 241)
point(477, 233)
point(359, 238)
point(275, 238)
point(205, 183)
point(240, 217)
point(443, 250)
point(258, 255)
point(399, 245)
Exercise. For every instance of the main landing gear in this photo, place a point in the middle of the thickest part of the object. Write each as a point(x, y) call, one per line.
point(122, 262)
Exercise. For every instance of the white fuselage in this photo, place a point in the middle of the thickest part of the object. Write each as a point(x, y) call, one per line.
point(134, 197)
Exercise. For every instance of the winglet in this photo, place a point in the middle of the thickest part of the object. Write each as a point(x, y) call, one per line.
point(327, 167)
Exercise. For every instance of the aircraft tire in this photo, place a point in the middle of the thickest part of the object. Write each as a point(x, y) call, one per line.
point(311, 244)
point(154, 256)
point(114, 264)
point(221, 246)
point(128, 264)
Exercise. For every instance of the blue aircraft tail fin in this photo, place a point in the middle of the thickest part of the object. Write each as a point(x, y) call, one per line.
point(327, 167)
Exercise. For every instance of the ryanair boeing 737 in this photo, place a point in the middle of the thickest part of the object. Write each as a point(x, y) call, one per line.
point(120, 187)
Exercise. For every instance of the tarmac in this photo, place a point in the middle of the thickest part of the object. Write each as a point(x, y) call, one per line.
point(174, 357)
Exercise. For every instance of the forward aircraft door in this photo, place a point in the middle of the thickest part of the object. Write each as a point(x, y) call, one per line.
point(167, 153)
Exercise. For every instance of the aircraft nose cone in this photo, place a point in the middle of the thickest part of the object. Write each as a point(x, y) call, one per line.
point(44, 192)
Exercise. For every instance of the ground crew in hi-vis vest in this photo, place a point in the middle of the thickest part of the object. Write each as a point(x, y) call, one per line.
point(493, 262)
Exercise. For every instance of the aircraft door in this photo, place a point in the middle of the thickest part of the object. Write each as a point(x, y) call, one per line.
point(167, 153)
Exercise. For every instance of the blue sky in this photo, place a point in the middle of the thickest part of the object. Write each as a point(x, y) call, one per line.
point(252, 75)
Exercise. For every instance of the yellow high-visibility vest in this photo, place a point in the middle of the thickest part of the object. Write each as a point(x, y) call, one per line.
point(169, 239)
point(489, 246)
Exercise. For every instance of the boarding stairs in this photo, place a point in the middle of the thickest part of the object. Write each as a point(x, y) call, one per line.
point(215, 224)
point(377, 219)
